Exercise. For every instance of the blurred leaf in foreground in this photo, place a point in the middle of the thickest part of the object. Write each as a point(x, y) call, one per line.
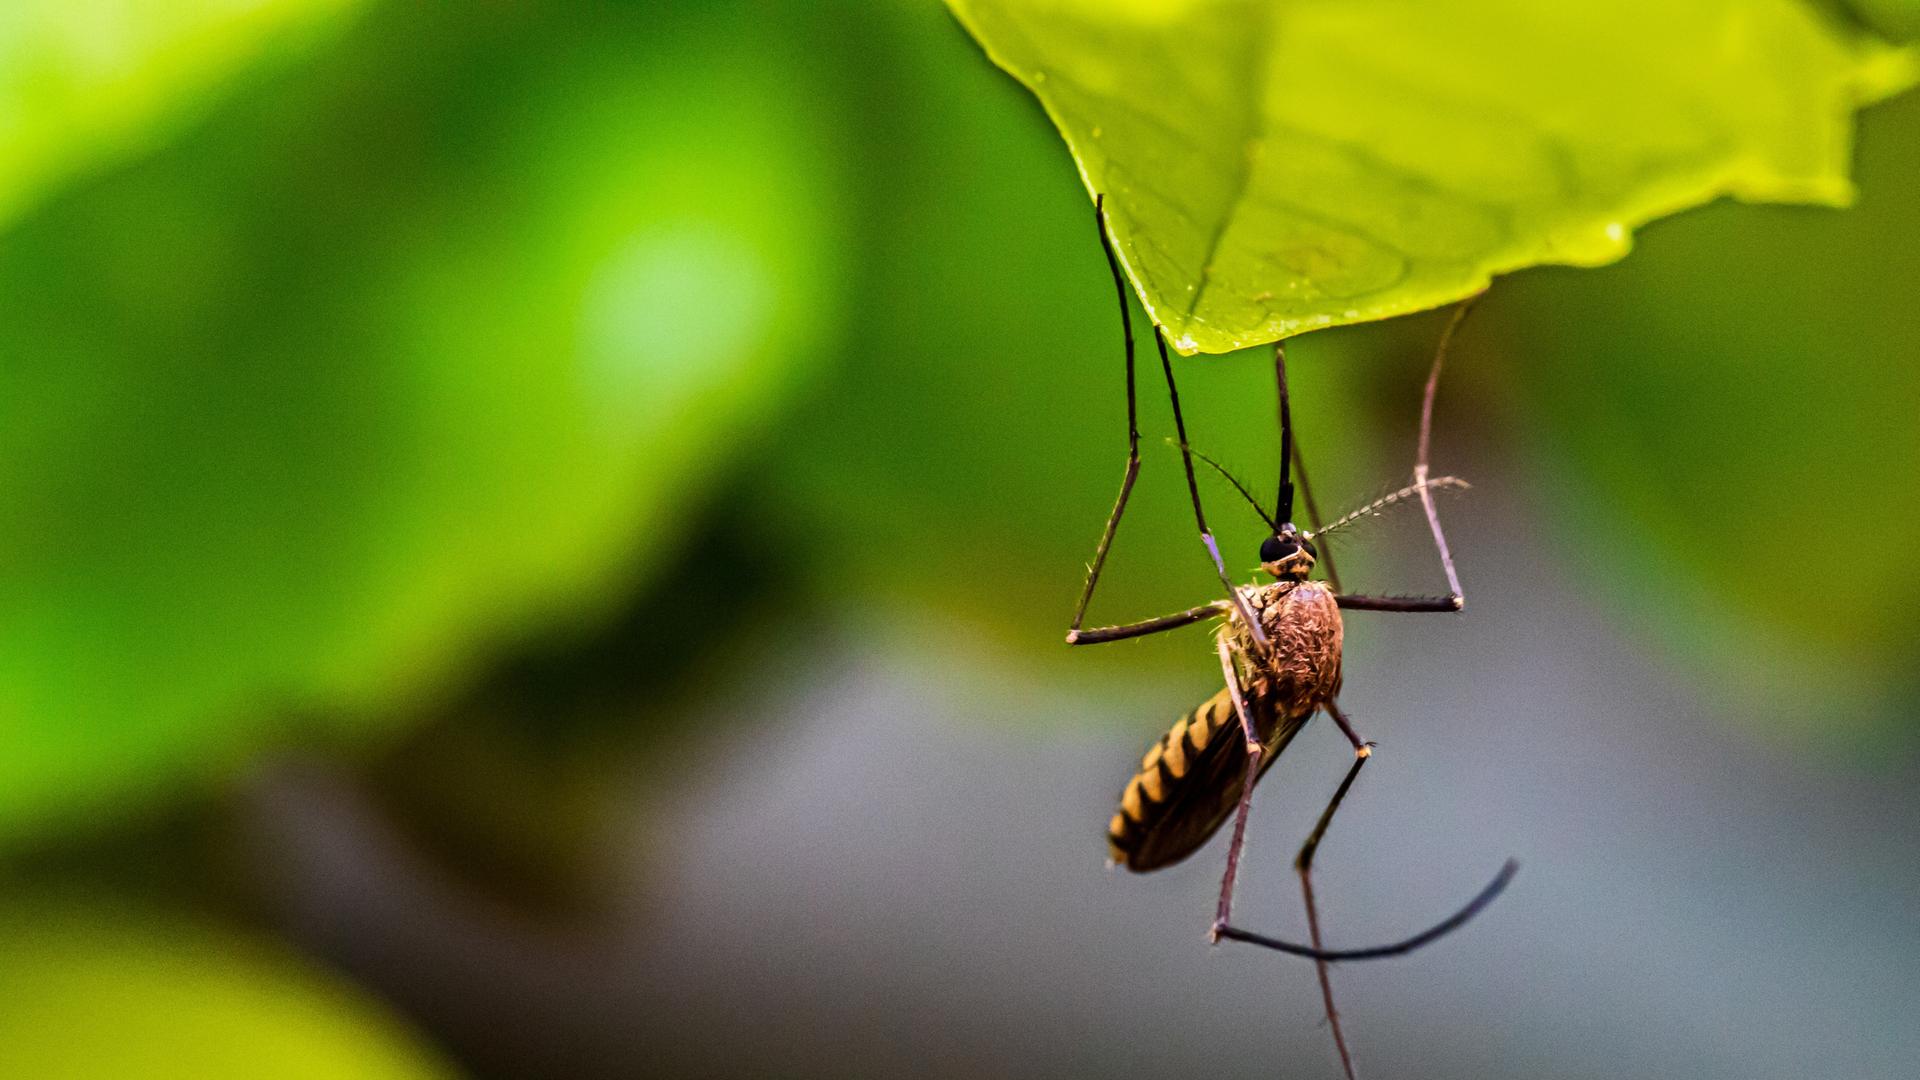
point(85, 83)
point(89, 993)
point(1274, 167)
point(418, 349)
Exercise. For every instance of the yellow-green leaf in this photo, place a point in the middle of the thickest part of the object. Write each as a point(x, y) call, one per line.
point(87, 992)
point(1275, 166)
point(367, 375)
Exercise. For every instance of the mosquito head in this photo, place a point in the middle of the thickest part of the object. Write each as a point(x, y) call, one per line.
point(1287, 555)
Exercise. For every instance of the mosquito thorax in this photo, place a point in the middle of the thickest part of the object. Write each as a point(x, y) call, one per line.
point(1287, 555)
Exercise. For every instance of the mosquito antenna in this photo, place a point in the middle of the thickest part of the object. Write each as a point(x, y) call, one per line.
point(1239, 487)
point(1378, 505)
point(1283, 504)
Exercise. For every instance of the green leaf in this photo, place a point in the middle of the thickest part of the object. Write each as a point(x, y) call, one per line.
point(1275, 167)
point(371, 374)
point(91, 992)
point(86, 84)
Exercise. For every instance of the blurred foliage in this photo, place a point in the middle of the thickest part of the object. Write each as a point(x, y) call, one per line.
point(388, 357)
point(532, 378)
point(1895, 19)
point(88, 991)
point(444, 337)
point(509, 783)
point(85, 83)
point(1274, 168)
point(540, 381)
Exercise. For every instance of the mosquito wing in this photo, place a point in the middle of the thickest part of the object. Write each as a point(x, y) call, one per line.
point(1190, 781)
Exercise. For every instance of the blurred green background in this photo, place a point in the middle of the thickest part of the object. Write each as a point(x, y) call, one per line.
point(536, 540)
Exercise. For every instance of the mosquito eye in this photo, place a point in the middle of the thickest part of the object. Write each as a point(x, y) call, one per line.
point(1274, 549)
point(1311, 550)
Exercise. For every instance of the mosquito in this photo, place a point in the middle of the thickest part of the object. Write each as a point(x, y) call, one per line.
point(1279, 644)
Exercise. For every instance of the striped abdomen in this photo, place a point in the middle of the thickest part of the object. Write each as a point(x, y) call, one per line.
point(1190, 780)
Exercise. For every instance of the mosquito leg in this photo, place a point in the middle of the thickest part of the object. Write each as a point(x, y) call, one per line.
point(1304, 863)
point(1133, 425)
point(1223, 913)
point(1290, 454)
point(1380, 952)
point(1313, 518)
point(1361, 747)
point(1232, 674)
point(1423, 484)
point(1398, 603)
point(1420, 469)
point(1149, 626)
point(1193, 489)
